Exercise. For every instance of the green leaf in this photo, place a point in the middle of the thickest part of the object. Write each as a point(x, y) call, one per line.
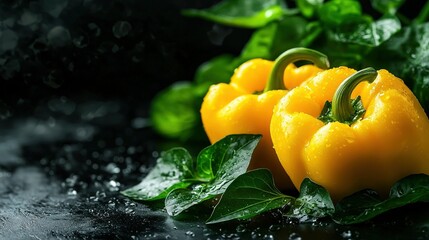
point(406, 55)
point(370, 34)
point(227, 158)
point(339, 12)
point(387, 6)
point(241, 13)
point(174, 112)
point(313, 202)
point(366, 204)
point(309, 7)
point(248, 195)
point(270, 41)
point(216, 70)
point(172, 170)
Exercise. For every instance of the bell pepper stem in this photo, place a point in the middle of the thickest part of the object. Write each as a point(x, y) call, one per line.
point(342, 109)
point(275, 80)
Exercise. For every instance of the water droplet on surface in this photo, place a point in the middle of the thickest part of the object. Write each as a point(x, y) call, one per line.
point(53, 80)
point(115, 48)
point(62, 105)
point(8, 22)
point(346, 234)
point(8, 40)
point(113, 186)
point(294, 236)
point(140, 123)
point(4, 111)
point(71, 192)
point(190, 233)
point(29, 18)
point(59, 36)
point(240, 228)
point(121, 29)
point(112, 168)
point(218, 34)
point(54, 7)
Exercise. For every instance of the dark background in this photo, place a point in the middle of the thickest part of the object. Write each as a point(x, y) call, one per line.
point(85, 49)
point(97, 49)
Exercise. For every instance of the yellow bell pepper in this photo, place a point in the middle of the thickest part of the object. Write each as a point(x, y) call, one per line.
point(245, 105)
point(380, 140)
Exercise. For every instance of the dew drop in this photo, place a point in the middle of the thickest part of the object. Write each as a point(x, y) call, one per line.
point(59, 36)
point(121, 29)
point(54, 7)
point(346, 234)
point(4, 111)
point(71, 192)
point(294, 236)
point(94, 27)
point(28, 18)
point(190, 233)
point(8, 40)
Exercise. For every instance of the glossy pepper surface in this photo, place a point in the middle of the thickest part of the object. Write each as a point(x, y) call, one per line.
point(388, 142)
point(244, 107)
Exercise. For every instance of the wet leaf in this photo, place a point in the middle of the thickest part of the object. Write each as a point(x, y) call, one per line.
point(339, 12)
point(271, 40)
point(249, 195)
point(366, 204)
point(369, 33)
point(241, 13)
point(309, 7)
point(313, 202)
point(218, 164)
point(172, 170)
point(174, 112)
point(387, 6)
point(406, 55)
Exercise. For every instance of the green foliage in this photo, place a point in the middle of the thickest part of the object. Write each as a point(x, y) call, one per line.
point(241, 13)
point(184, 182)
point(249, 195)
point(367, 204)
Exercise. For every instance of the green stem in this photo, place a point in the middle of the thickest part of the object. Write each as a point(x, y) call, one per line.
point(342, 109)
point(290, 56)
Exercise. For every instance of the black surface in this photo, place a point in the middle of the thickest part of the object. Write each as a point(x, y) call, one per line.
point(76, 78)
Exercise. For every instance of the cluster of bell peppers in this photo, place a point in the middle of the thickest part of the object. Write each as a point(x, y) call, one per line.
point(344, 129)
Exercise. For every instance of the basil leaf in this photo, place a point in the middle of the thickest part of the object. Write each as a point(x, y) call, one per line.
point(387, 6)
point(271, 40)
point(248, 195)
point(366, 204)
point(406, 55)
point(174, 112)
point(309, 7)
point(339, 12)
point(216, 70)
point(230, 156)
point(313, 202)
point(370, 34)
point(228, 159)
point(171, 171)
point(241, 13)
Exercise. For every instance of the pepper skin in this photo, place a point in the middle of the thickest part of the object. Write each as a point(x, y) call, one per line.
point(389, 142)
point(243, 107)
